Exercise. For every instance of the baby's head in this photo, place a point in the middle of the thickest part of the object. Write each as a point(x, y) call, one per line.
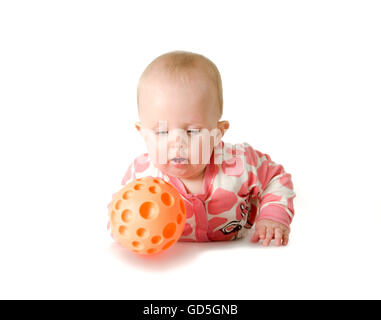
point(180, 104)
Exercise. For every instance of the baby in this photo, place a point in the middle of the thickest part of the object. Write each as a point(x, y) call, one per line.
point(227, 188)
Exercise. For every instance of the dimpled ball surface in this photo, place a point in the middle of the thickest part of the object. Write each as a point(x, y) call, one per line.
point(147, 216)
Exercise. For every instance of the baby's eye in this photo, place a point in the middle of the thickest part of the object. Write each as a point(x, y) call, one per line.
point(193, 131)
point(161, 133)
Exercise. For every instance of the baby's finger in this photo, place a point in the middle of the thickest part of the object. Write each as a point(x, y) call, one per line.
point(269, 236)
point(255, 237)
point(262, 233)
point(257, 233)
point(278, 236)
point(285, 239)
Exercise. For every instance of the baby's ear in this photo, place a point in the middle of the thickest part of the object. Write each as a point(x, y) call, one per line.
point(223, 126)
point(138, 126)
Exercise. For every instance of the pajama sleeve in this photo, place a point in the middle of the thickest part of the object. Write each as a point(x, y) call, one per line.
point(275, 189)
point(139, 168)
point(129, 175)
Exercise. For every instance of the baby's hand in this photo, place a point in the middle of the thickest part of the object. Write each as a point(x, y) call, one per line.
point(267, 230)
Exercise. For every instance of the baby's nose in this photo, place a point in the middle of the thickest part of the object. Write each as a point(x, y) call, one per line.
point(177, 140)
point(177, 145)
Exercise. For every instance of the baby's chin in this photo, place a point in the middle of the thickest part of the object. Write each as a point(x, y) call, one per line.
point(183, 171)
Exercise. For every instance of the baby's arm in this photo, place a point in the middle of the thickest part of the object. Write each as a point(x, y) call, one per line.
point(275, 197)
point(268, 230)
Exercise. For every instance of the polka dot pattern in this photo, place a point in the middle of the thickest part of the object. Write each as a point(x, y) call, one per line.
point(221, 201)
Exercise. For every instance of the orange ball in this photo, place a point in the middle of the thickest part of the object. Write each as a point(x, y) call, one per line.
point(147, 216)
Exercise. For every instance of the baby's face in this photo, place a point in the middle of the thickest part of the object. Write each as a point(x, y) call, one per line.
point(179, 121)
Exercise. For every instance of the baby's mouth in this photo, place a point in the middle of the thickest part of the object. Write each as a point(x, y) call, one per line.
point(178, 160)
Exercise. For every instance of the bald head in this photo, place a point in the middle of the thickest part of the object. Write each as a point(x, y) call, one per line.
point(182, 68)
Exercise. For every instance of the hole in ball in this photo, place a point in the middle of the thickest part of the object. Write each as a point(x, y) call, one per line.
point(142, 233)
point(127, 194)
point(123, 230)
point(137, 245)
point(169, 230)
point(127, 215)
point(148, 210)
point(139, 186)
point(156, 239)
point(118, 204)
point(154, 189)
point(113, 216)
point(167, 199)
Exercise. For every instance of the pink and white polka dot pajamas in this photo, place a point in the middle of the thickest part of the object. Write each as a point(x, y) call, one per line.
point(241, 185)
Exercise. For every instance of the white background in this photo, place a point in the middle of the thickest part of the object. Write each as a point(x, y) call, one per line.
point(301, 83)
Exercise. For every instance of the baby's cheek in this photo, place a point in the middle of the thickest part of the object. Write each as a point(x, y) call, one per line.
point(157, 148)
point(194, 151)
point(152, 149)
point(200, 149)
